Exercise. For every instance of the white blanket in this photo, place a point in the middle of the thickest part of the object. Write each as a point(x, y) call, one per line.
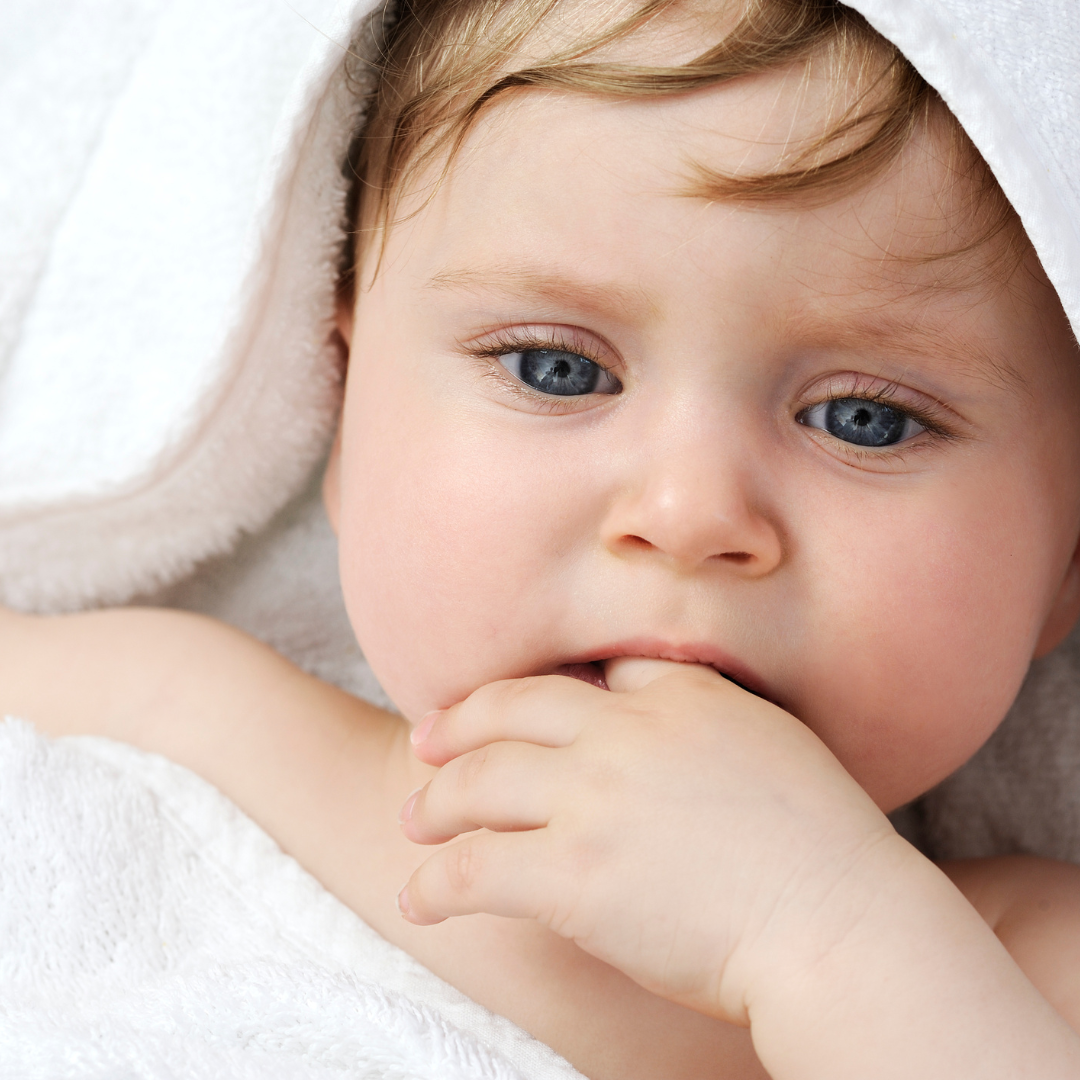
point(169, 213)
point(149, 929)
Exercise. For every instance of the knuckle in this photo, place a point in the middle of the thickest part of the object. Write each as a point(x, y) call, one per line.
point(463, 865)
point(494, 693)
point(473, 770)
point(584, 854)
point(508, 692)
point(515, 692)
point(484, 710)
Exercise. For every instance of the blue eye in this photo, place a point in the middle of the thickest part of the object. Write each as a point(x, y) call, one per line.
point(555, 371)
point(861, 421)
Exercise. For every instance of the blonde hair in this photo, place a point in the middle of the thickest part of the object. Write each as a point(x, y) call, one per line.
point(442, 62)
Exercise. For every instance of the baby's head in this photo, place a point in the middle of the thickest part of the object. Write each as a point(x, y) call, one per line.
point(756, 371)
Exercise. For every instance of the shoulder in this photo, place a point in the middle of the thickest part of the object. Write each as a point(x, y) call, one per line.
point(278, 742)
point(119, 671)
point(1033, 905)
point(182, 685)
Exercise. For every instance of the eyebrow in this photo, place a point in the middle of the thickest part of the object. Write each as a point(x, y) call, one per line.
point(904, 336)
point(525, 282)
point(863, 332)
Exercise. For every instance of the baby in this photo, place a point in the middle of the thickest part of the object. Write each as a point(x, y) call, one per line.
point(708, 477)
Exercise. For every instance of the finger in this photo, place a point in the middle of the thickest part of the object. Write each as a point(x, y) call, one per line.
point(508, 874)
point(548, 710)
point(503, 786)
point(627, 673)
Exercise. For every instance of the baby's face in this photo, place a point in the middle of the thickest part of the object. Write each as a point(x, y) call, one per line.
point(589, 415)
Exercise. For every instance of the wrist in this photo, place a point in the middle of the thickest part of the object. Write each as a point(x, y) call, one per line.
point(832, 921)
point(890, 976)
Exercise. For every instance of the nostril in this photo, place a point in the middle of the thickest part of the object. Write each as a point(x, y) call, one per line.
point(636, 542)
point(737, 556)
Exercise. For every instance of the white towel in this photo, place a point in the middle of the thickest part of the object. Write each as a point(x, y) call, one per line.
point(151, 930)
point(170, 214)
point(169, 219)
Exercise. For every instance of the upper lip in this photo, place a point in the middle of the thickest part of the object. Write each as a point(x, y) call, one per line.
point(685, 653)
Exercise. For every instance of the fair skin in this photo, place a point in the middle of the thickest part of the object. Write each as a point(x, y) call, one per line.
point(689, 864)
point(682, 511)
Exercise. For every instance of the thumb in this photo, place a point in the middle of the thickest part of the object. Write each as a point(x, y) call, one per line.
point(626, 673)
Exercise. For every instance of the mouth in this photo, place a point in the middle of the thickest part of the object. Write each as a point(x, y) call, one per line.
point(591, 672)
point(590, 668)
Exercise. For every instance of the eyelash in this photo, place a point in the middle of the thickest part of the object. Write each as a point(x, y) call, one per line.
point(928, 418)
point(509, 341)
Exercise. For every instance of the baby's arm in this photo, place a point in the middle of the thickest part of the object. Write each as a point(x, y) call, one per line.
point(157, 679)
point(139, 675)
point(199, 692)
point(1033, 906)
point(706, 843)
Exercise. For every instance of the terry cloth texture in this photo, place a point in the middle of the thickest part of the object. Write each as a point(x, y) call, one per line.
point(151, 930)
point(170, 228)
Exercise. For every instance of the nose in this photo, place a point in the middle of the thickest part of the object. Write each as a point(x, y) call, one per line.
point(694, 513)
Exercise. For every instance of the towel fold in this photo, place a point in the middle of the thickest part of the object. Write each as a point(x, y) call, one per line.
point(149, 929)
point(170, 228)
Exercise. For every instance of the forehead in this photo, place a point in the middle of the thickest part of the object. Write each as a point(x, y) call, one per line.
point(593, 196)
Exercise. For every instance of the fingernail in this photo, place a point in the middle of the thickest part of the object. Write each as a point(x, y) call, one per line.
point(403, 903)
point(423, 729)
point(407, 809)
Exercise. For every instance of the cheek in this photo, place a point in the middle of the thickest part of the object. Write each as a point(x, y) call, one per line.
point(454, 539)
point(926, 613)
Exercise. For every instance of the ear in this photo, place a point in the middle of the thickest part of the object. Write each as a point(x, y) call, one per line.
point(343, 317)
point(331, 483)
point(1064, 612)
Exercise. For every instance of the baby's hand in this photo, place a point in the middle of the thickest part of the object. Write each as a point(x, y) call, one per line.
point(689, 833)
